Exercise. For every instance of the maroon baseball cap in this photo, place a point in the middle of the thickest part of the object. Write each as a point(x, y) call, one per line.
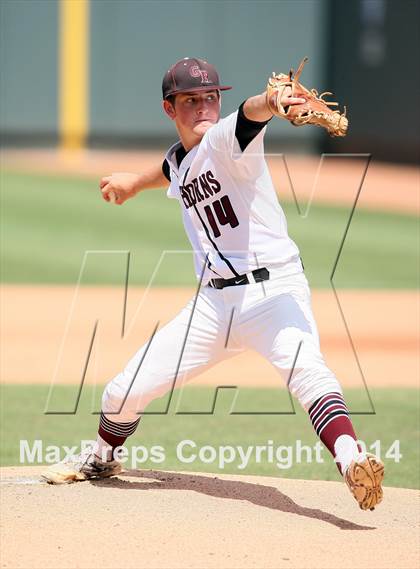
point(191, 74)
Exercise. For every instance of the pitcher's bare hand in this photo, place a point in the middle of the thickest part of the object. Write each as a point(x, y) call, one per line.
point(119, 187)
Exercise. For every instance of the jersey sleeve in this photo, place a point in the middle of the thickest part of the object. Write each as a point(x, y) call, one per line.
point(247, 161)
point(246, 129)
point(166, 170)
point(172, 191)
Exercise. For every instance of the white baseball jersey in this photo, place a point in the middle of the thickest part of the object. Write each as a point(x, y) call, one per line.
point(230, 209)
point(233, 219)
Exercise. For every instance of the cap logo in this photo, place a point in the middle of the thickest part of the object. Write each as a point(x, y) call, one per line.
point(195, 71)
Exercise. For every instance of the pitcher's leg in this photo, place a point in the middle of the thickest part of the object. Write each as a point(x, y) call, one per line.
point(282, 328)
point(285, 332)
point(190, 343)
point(184, 348)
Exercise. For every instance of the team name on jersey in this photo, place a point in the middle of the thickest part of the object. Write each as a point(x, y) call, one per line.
point(200, 189)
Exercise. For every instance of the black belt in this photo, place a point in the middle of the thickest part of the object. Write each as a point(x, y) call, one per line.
point(259, 276)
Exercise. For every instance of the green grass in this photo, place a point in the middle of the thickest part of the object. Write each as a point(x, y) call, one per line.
point(396, 418)
point(48, 223)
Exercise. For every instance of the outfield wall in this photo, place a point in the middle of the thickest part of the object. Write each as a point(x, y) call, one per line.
point(105, 60)
point(130, 46)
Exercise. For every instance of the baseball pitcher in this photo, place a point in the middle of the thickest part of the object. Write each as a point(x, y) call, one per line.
point(246, 265)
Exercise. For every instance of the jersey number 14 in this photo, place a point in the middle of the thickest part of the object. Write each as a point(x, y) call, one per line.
point(224, 213)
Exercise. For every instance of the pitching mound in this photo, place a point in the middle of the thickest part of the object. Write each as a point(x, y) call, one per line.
point(155, 519)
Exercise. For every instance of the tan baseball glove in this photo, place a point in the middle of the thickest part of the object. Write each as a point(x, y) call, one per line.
point(314, 111)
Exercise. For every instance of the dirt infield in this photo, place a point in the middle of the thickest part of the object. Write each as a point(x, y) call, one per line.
point(155, 519)
point(34, 319)
point(390, 187)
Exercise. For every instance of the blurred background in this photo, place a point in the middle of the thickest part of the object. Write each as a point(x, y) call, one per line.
point(79, 72)
point(80, 97)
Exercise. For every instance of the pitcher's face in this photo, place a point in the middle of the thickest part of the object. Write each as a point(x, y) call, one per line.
point(194, 113)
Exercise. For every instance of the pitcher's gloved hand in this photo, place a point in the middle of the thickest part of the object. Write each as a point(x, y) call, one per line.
point(313, 111)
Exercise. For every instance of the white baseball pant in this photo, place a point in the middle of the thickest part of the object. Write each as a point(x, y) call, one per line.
point(273, 317)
